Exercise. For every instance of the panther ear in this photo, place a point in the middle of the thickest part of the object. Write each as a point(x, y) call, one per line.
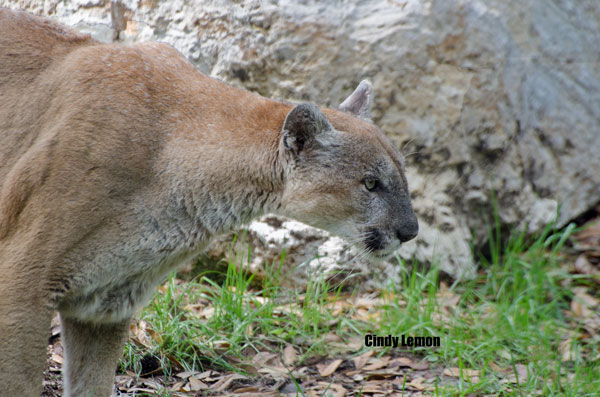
point(302, 125)
point(360, 101)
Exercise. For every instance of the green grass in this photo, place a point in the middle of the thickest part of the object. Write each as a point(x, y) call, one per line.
point(510, 317)
point(512, 313)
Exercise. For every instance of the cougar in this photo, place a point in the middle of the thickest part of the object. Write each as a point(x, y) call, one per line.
point(119, 162)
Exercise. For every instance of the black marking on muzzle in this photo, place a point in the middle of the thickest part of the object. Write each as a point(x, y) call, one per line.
point(374, 240)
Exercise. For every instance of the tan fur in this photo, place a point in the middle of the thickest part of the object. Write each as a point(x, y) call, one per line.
point(119, 162)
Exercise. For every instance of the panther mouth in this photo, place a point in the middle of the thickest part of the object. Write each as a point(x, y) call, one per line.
point(375, 241)
point(384, 255)
point(378, 246)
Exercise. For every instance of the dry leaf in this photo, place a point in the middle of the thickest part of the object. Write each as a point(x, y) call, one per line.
point(331, 337)
point(585, 298)
point(377, 363)
point(275, 372)
point(197, 385)
point(340, 348)
point(399, 381)
point(155, 335)
point(219, 345)
point(56, 328)
point(422, 366)
point(366, 303)
point(184, 374)
point(363, 314)
point(592, 325)
point(372, 387)
point(207, 312)
point(471, 375)
point(447, 297)
point(209, 375)
point(390, 297)
point(152, 383)
point(456, 372)
point(287, 309)
point(290, 355)
point(300, 372)
point(583, 266)
point(326, 370)
point(246, 389)
point(383, 374)
point(401, 362)
point(263, 359)
point(226, 381)
point(332, 390)
point(142, 390)
point(495, 367)
point(57, 358)
point(355, 343)
point(407, 362)
point(178, 386)
point(418, 384)
point(338, 308)
point(565, 348)
point(521, 372)
point(579, 309)
point(361, 360)
point(260, 299)
point(590, 235)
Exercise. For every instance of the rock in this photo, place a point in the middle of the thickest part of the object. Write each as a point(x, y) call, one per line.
point(307, 253)
point(482, 96)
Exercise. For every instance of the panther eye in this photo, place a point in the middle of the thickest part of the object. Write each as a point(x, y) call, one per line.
point(370, 183)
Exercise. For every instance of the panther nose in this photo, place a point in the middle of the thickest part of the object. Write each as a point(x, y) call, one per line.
point(408, 230)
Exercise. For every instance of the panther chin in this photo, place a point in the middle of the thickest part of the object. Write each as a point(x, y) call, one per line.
point(383, 254)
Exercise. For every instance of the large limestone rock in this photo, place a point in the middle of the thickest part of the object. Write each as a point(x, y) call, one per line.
point(482, 96)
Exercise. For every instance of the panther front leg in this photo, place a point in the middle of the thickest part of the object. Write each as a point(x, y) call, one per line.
point(92, 351)
point(24, 330)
